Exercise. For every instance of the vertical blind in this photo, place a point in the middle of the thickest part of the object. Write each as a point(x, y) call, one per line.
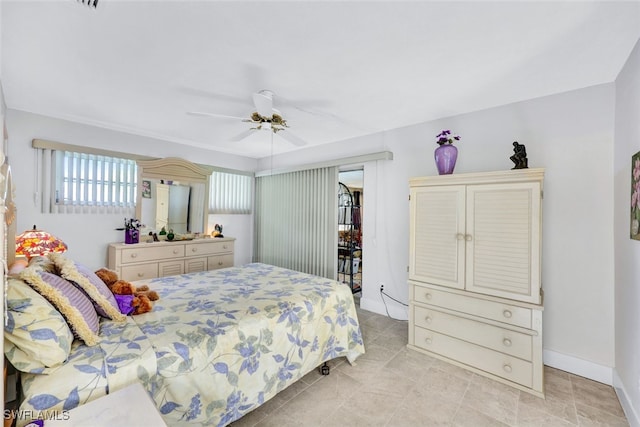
point(74, 182)
point(296, 221)
point(230, 193)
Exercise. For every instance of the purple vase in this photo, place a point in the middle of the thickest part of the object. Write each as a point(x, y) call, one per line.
point(131, 235)
point(446, 156)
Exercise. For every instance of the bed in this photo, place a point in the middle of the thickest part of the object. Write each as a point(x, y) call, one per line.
point(217, 345)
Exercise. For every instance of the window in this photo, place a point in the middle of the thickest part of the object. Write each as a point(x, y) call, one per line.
point(73, 179)
point(93, 180)
point(230, 193)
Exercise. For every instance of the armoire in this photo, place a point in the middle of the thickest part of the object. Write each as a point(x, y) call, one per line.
point(475, 292)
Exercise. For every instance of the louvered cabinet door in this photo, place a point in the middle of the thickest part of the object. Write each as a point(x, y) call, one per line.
point(503, 240)
point(437, 235)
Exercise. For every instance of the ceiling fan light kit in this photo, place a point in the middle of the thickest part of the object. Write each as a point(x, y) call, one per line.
point(265, 118)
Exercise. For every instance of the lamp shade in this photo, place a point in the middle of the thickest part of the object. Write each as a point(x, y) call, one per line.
point(37, 243)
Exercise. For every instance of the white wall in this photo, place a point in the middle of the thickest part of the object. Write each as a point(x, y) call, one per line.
point(88, 235)
point(627, 251)
point(571, 135)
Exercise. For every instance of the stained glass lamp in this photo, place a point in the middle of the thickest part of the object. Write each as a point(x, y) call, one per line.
point(38, 243)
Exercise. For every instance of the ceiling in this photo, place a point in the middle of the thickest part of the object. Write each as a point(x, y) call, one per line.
point(338, 69)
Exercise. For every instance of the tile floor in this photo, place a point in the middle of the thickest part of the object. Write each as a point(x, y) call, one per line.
point(393, 386)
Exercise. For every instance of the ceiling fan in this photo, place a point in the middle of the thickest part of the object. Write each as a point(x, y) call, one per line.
point(264, 118)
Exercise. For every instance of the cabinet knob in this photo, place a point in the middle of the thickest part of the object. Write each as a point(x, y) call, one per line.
point(220, 262)
point(506, 342)
point(175, 251)
point(194, 249)
point(507, 367)
point(467, 237)
point(224, 246)
point(460, 236)
point(134, 255)
point(427, 296)
point(140, 274)
point(428, 340)
point(427, 319)
point(507, 314)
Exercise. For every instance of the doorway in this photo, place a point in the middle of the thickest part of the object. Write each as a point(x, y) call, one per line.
point(350, 211)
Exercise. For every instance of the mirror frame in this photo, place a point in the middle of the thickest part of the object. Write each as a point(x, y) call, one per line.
point(174, 169)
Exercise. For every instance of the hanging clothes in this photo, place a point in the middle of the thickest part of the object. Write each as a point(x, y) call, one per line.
point(355, 211)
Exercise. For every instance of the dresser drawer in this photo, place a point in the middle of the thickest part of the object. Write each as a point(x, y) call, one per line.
point(493, 362)
point(501, 312)
point(208, 248)
point(220, 261)
point(152, 253)
point(139, 272)
point(503, 340)
point(193, 265)
point(170, 268)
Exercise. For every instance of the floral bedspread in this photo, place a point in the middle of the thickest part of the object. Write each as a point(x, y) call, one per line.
point(217, 345)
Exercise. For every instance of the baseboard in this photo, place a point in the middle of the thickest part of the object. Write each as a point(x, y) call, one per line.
point(580, 367)
point(395, 311)
point(625, 401)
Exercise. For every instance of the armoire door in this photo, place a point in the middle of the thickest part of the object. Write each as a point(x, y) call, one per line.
point(437, 244)
point(503, 240)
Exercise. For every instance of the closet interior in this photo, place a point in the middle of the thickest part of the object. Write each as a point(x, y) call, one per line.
point(350, 260)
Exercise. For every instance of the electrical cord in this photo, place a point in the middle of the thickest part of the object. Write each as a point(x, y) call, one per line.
point(384, 294)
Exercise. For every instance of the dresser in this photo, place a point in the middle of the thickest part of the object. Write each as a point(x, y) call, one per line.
point(159, 259)
point(475, 294)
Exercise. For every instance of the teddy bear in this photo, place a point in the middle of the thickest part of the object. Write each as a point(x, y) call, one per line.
point(131, 299)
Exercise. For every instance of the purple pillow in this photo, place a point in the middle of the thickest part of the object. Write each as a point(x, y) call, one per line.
point(95, 289)
point(71, 302)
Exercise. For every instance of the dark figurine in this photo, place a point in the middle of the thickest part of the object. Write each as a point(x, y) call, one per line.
point(519, 156)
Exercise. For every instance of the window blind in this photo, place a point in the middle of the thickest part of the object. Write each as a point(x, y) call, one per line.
point(76, 182)
point(230, 193)
point(296, 221)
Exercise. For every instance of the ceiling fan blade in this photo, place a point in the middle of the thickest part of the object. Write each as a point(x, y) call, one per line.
point(222, 116)
point(263, 101)
point(295, 140)
point(242, 135)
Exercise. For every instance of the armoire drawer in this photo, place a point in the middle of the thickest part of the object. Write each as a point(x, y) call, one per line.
point(500, 339)
point(501, 312)
point(493, 362)
point(139, 271)
point(198, 249)
point(152, 253)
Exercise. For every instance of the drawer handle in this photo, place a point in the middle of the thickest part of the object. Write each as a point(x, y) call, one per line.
point(134, 255)
point(219, 262)
point(428, 340)
point(175, 251)
point(467, 237)
point(194, 249)
point(506, 342)
point(140, 274)
point(460, 236)
point(427, 296)
point(427, 319)
point(507, 314)
point(224, 246)
point(507, 367)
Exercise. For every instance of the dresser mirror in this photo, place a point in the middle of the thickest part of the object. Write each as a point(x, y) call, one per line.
point(173, 193)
